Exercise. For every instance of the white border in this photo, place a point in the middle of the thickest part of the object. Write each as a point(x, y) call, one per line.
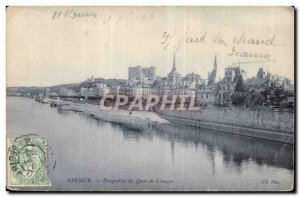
point(3, 3)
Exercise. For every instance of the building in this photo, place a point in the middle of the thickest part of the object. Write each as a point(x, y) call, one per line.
point(260, 82)
point(47, 92)
point(101, 89)
point(139, 73)
point(114, 90)
point(67, 92)
point(174, 84)
point(283, 82)
point(141, 91)
point(192, 80)
point(207, 93)
point(87, 92)
point(125, 90)
point(220, 93)
point(227, 85)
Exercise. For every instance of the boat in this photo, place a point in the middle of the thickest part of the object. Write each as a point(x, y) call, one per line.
point(63, 106)
point(38, 100)
point(53, 102)
point(45, 101)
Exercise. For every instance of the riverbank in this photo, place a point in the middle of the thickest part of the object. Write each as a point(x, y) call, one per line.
point(132, 119)
point(275, 125)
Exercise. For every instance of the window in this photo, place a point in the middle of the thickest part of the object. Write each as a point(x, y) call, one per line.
point(206, 95)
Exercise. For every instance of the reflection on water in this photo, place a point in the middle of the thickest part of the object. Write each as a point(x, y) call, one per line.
point(236, 149)
point(193, 158)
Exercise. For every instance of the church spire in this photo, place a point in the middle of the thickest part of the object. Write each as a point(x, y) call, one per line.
point(215, 64)
point(174, 64)
point(213, 74)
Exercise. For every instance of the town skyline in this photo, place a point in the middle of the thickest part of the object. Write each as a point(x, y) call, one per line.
point(142, 82)
point(218, 77)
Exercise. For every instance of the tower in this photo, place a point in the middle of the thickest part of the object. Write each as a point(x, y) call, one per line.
point(228, 74)
point(212, 76)
point(215, 63)
point(261, 73)
point(173, 76)
point(174, 63)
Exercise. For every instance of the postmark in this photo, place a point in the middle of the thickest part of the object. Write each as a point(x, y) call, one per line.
point(27, 162)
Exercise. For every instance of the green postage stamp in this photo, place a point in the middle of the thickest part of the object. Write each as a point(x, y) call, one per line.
point(27, 162)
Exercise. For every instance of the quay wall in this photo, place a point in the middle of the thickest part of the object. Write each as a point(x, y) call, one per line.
point(277, 120)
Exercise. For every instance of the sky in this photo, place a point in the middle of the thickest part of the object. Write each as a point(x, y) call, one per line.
point(46, 48)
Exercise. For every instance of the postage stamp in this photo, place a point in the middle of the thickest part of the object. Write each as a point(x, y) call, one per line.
point(27, 162)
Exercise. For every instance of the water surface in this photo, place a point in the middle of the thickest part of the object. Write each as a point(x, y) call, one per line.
point(174, 157)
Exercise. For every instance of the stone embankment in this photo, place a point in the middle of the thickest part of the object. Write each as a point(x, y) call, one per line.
point(264, 123)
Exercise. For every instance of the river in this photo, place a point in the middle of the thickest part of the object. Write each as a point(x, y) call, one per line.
point(172, 158)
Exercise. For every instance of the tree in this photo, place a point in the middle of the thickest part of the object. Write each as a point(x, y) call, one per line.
point(240, 87)
point(239, 96)
point(275, 95)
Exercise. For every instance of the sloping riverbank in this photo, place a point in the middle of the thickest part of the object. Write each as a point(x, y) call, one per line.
point(130, 119)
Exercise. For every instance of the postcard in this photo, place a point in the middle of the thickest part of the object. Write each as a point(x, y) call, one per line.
point(147, 99)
